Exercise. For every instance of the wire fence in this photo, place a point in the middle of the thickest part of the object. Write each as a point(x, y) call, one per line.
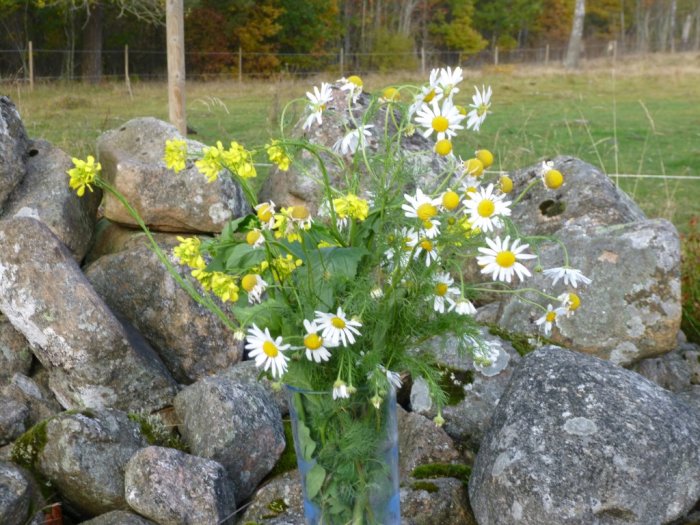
point(45, 65)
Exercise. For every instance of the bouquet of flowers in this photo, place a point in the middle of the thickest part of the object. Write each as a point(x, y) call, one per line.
point(335, 297)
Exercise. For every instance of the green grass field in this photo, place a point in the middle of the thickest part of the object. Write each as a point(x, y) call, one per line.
point(640, 117)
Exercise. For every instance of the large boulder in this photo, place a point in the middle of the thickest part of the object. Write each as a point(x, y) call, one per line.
point(13, 149)
point(44, 195)
point(587, 199)
point(15, 495)
point(235, 424)
point(92, 359)
point(84, 455)
point(191, 340)
point(632, 308)
point(132, 161)
point(14, 416)
point(576, 439)
point(15, 354)
point(119, 517)
point(36, 397)
point(175, 488)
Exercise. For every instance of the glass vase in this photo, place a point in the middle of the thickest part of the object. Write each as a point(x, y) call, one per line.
point(348, 457)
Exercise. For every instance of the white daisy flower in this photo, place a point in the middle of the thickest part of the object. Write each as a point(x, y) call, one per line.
point(394, 378)
point(300, 216)
point(461, 306)
point(550, 318)
point(501, 261)
point(318, 101)
point(481, 103)
point(409, 238)
point(570, 302)
point(485, 209)
point(340, 390)
point(314, 344)
point(255, 238)
point(353, 85)
point(424, 246)
point(443, 290)
point(421, 206)
point(255, 286)
point(444, 120)
point(571, 276)
point(427, 94)
point(485, 353)
point(447, 83)
point(431, 228)
point(337, 328)
point(551, 178)
point(352, 140)
point(266, 351)
point(265, 212)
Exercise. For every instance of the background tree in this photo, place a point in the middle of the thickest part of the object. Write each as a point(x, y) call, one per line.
point(573, 52)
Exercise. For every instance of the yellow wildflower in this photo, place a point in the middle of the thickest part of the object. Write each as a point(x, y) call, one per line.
point(83, 174)
point(211, 162)
point(175, 155)
point(284, 266)
point(240, 161)
point(351, 206)
point(204, 277)
point(224, 287)
point(188, 252)
point(278, 155)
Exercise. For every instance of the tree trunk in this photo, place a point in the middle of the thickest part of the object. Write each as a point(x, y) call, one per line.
point(672, 28)
point(573, 52)
point(91, 64)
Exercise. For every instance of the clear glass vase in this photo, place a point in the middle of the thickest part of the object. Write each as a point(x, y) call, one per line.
point(348, 456)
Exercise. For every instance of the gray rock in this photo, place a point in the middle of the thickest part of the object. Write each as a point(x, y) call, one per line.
point(13, 149)
point(85, 456)
point(588, 198)
point(192, 341)
point(246, 373)
point(92, 359)
point(40, 401)
point(278, 501)
point(236, 424)
point(421, 442)
point(299, 185)
point(440, 500)
point(15, 354)
point(119, 517)
point(111, 237)
point(14, 416)
point(15, 495)
point(632, 308)
point(45, 195)
point(691, 396)
point(469, 414)
point(670, 371)
point(574, 438)
point(131, 158)
point(174, 488)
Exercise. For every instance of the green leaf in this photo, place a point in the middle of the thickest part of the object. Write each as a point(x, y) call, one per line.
point(314, 480)
point(267, 314)
point(242, 256)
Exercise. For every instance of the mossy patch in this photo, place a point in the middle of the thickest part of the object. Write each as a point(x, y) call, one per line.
point(156, 433)
point(426, 486)
point(457, 471)
point(452, 383)
point(288, 459)
point(276, 507)
point(520, 342)
point(25, 453)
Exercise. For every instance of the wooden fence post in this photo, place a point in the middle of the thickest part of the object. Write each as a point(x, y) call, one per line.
point(546, 54)
point(495, 56)
point(240, 65)
point(126, 71)
point(175, 31)
point(422, 61)
point(342, 63)
point(31, 66)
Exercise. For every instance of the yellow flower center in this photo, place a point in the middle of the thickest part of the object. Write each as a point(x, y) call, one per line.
point(440, 289)
point(482, 109)
point(450, 200)
point(426, 211)
point(427, 225)
point(249, 282)
point(462, 110)
point(252, 237)
point(440, 124)
point(313, 342)
point(551, 317)
point(470, 189)
point(474, 167)
point(430, 96)
point(270, 349)
point(575, 301)
point(426, 245)
point(337, 322)
point(485, 156)
point(486, 208)
point(505, 259)
point(443, 147)
point(300, 212)
point(264, 213)
point(553, 179)
point(506, 184)
point(391, 93)
point(354, 79)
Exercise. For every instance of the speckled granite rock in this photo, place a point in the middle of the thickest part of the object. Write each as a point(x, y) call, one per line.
point(92, 359)
point(15, 495)
point(13, 149)
point(632, 308)
point(576, 439)
point(132, 161)
point(119, 517)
